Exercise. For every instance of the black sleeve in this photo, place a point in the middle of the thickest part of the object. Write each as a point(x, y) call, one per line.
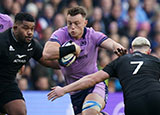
point(111, 69)
point(38, 51)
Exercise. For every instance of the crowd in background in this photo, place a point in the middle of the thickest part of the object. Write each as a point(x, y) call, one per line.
point(121, 20)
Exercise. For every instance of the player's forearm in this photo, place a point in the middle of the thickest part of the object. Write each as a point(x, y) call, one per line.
point(49, 63)
point(51, 51)
point(81, 84)
point(111, 44)
point(117, 45)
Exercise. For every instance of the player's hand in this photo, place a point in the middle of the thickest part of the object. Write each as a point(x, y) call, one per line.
point(78, 49)
point(21, 71)
point(120, 51)
point(55, 93)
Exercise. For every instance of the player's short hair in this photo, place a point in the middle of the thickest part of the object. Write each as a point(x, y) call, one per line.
point(140, 42)
point(77, 10)
point(22, 16)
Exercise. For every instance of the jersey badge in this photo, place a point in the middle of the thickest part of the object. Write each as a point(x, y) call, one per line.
point(21, 56)
point(29, 49)
point(11, 48)
point(29, 44)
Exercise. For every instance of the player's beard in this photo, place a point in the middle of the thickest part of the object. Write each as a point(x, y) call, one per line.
point(22, 39)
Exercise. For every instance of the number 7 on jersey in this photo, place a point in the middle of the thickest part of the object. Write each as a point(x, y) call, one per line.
point(140, 63)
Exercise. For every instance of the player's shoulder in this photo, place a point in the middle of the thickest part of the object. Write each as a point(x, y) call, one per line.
point(153, 57)
point(90, 30)
point(5, 35)
point(94, 33)
point(62, 30)
point(137, 55)
point(35, 42)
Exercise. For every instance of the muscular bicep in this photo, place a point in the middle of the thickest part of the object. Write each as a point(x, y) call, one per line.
point(51, 50)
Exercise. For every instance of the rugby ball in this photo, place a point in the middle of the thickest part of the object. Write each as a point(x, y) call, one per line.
point(68, 59)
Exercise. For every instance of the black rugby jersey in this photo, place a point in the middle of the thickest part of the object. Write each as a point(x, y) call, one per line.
point(138, 73)
point(14, 54)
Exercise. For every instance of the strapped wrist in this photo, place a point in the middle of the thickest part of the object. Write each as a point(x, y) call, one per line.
point(63, 51)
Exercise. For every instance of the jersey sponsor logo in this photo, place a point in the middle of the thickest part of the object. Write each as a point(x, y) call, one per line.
point(21, 56)
point(30, 49)
point(83, 43)
point(11, 48)
point(29, 44)
point(19, 61)
point(1, 26)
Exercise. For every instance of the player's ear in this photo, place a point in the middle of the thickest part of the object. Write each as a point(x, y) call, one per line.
point(15, 26)
point(149, 51)
point(131, 50)
point(86, 22)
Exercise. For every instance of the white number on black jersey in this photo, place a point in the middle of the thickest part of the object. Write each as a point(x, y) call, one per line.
point(139, 64)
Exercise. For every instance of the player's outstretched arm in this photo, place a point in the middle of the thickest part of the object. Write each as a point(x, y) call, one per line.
point(49, 63)
point(110, 44)
point(51, 50)
point(83, 83)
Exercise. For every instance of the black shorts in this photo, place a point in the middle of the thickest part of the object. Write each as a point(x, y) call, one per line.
point(148, 104)
point(78, 99)
point(9, 92)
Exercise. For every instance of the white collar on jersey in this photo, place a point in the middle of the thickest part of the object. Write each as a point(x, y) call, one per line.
point(13, 35)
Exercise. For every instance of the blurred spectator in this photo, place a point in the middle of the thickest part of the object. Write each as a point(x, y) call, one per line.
point(42, 83)
point(39, 4)
point(32, 9)
point(58, 5)
point(46, 34)
point(104, 58)
point(22, 2)
point(140, 13)
point(124, 42)
point(59, 21)
point(106, 7)
point(46, 19)
point(156, 40)
point(58, 77)
point(131, 14)
point(155, 28)
point(5, 6)
point(23, 83)
point(96, 25)
point(97, 17)
point(72, 3)
point(113, 28)
point(156, 17)
point(150, 7)
point(88, 4)
point(144, 30)
point(156, 52)
point(25, 73)
point(130, 30)
point(16, 8)
point(142, 33)
point(114, 16)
